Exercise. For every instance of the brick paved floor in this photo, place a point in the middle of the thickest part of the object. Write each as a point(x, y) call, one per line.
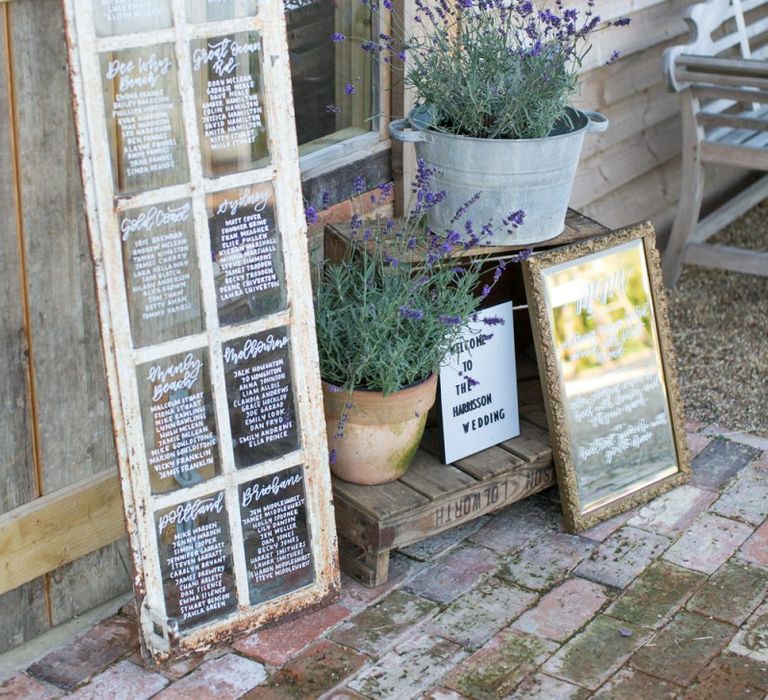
point(668, 601)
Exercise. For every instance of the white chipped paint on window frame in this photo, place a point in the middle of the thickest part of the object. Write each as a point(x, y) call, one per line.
point(160, 639)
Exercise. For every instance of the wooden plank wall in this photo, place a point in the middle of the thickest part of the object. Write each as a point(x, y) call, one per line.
point(55, 430)
point(55, 427)
point(632, 171)
point(22, 610)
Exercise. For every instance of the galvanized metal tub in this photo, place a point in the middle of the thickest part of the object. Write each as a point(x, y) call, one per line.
point(535, 175)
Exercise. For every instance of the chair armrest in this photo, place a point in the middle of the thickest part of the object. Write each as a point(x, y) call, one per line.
point(712, 70)
point(702, 19)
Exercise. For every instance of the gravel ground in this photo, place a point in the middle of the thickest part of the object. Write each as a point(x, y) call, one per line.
point(720, 333)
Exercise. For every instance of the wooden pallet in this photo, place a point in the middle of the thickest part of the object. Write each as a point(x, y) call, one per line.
point(432, 497)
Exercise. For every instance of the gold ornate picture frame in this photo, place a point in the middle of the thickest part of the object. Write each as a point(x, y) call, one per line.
point(603, 342)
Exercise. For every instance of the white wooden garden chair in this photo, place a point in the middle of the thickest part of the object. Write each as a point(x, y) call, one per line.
point(722, 80)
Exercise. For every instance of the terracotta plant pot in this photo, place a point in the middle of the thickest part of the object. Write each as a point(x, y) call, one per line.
point(381, 433)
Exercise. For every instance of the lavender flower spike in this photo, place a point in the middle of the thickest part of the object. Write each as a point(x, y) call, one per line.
point(413, 314)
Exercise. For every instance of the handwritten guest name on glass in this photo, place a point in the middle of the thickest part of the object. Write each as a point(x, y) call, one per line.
point(612, 387)
point(204, 297)
point(144, 127)
point(229, 102)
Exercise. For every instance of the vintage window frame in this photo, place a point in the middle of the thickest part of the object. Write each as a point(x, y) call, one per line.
point(323, 164)
point(160, 636)
point(552, 388)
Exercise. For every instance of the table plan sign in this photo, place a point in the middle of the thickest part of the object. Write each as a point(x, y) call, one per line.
point(190, 165)
point(602, 339)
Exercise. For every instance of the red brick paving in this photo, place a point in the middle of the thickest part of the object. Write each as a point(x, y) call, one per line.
point(752, 638)
point(697, 442)
point(675, 511)
point(563, 610)
point(720, 461)
point(409, 669)
point(623, 556)
point(657, 594)
point(597, 652)
point(672, 603)
point(275, 645)
point(546, 560)
point(103, 645)
point(22, 687)
point(605, 529)
point(755, 549)
point(178, 669)
point(522, 522)
point(122, 680)
point(709, 543)
point(629, 684)
point(319, 668)
point(453, 574)
point(683, 648)
point(729, 678)
point(500, 666)
point(376, 629)
point(356, 596)
point(732, 593)
point(541, 687)
point(475, 617)
point(225, 678)
point(744, 498)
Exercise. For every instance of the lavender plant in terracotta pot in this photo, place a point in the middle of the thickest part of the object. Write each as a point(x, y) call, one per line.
point(387, 315)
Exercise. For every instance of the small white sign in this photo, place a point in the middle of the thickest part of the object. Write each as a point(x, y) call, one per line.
point(478, 386)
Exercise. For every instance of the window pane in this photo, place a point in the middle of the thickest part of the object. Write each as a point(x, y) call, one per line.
point(247, 254)
point(196, 560)
point(262, 413)
point(217, 10)
point(229, 101)
point(161, 278)
point(278, 555)
point(143, 107)
point(179, 426)
point(322, 70)
point(113, 17)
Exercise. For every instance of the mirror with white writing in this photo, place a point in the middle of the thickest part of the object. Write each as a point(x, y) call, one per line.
point(611, 401)
point(263, 420)
point(218, 10)
point(180, 435)
point(196, 560)
point(161, 272)
point(115, 17)
point(246, 252)
point(144, 128)
point(229, 100)
point(273, 514)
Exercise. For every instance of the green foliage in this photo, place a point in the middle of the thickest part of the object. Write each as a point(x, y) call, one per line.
point(366, 337)
point(490, 68)
point(486, 85)
point(388, 313)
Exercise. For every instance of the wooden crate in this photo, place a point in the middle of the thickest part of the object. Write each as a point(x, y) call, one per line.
point(577, 228)
point(433, 497)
